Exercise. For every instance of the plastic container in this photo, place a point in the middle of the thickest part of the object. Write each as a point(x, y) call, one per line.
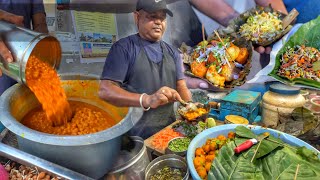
point(131, 165)
point(280, 99)
point(201, 139)
point(24, 43)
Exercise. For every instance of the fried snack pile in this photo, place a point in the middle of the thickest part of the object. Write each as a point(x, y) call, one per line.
point(218, 62)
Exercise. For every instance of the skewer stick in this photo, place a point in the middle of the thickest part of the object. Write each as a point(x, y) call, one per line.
point(203, 39)
point(217, 34)
point(297, 170)
point(255, 152)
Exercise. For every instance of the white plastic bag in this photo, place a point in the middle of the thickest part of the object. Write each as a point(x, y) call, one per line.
point(262, 76)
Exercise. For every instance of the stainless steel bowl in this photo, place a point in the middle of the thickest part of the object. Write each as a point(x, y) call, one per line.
point(92, 154)
point(170, 160)
point(179, 153)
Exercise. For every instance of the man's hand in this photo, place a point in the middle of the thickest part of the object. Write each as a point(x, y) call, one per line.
point(5, 54)
point(262, 50)
point(163, 96)
point(195, 83)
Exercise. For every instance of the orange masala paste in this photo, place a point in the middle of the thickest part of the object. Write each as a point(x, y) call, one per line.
point(87, 119)
point(44, 82)
point(58, 115)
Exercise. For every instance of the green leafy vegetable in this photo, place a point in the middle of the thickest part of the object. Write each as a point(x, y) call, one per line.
point(279, 164)
point(267, 145)
point(245, 132)
point(186, 129)
point(307, 154)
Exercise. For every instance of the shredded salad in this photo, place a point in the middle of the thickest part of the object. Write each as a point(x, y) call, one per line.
point(218, 50)
point(297, 62)
point(261, 27)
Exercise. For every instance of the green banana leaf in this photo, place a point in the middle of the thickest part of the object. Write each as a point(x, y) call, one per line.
point(267, 145)
point(308, 35)
point(281, 163)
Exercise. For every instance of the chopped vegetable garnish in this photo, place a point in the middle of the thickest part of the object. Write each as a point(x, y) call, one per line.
point(297, 62)
point(179, 144)
point(262, 27)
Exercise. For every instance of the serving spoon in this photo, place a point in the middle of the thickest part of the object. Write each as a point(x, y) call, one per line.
point(189, 105)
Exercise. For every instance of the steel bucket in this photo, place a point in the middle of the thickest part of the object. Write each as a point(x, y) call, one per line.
point(23, 43)
point(93, 154)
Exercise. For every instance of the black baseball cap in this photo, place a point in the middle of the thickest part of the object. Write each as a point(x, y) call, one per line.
point(151, 6)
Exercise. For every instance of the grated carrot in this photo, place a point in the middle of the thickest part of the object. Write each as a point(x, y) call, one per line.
point(161, 139)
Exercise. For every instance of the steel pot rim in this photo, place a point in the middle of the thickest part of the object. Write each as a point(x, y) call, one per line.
point(24, 132)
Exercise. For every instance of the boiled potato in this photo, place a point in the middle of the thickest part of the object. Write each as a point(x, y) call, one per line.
point(227, 71)
point(213, 76)
point(232, 52)
point(243, 56)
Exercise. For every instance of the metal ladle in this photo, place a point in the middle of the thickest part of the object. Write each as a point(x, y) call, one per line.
point(189, 105)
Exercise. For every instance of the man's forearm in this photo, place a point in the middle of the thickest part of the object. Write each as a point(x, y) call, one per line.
point(218, 10)
point(183, 90)
point(112, 93)
point(12, 18)
point(275, 4)
point(39, 23)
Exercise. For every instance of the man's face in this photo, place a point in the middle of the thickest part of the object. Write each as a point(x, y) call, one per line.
point(151, 26)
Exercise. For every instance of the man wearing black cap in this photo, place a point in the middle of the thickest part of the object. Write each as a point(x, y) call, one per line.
point(142, 70)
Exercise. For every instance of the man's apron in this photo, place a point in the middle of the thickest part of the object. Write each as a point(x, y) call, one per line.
point(148, 77)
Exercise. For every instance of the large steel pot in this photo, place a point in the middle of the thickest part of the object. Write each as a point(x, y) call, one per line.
point(93, 154)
